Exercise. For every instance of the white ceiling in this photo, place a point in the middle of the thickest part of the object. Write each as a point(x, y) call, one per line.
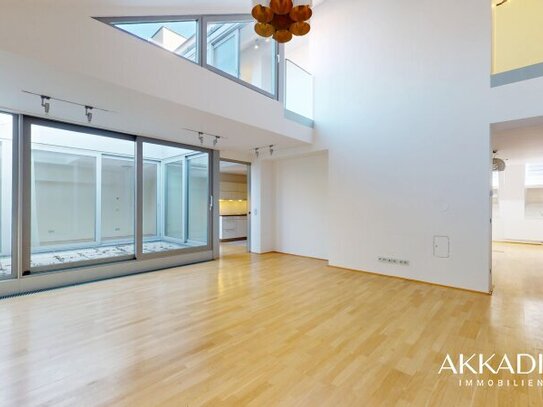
point(519, 144)
point(233, 168)
point(130, 7)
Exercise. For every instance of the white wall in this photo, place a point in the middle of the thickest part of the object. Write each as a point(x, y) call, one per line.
point(510, 221)
point(301, 205)
point(402, 104)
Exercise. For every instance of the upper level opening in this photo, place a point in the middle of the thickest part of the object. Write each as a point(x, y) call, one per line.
point(517, 36)
point(229, 46)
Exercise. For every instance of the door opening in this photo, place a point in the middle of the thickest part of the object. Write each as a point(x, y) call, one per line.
point(234, 207)
point(516, 200)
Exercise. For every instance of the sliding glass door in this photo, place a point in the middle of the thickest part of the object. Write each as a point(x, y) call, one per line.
point(82, 194)
point(81, 203)
point(176, 193)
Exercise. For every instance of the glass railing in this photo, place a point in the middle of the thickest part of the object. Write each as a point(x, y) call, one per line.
point(298, 90)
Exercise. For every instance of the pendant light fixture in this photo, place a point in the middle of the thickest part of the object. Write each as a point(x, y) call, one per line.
point(281, 19)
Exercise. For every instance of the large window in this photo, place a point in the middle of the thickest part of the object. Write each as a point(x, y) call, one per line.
point(82, 197)
point(235, 49)
point(176, 196)
point(179, 37)
point(6, 170)
point(495, 194)
point(533, 193)
point(229, 45)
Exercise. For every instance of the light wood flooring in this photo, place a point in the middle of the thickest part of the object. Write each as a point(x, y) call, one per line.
point(269, 330)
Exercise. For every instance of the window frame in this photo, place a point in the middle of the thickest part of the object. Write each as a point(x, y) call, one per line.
point(25, 252)
point(201, 45)
point(113, 21)
point(278, 51)
point(233, 34)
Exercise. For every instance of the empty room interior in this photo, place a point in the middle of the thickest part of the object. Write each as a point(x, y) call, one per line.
point(271, 203)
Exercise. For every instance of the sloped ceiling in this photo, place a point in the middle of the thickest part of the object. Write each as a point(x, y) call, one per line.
point(159, 7)
point(55, 48)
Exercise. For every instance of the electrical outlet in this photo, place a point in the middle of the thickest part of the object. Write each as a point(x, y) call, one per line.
point(391, 260)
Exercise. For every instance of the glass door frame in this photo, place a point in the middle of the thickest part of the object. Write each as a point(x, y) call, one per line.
point(139, 207)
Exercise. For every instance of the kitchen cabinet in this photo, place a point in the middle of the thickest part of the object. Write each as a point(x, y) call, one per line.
point(233, 227)
point(233, 191)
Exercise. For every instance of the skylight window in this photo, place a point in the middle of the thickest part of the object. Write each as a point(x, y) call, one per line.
point(178, 37)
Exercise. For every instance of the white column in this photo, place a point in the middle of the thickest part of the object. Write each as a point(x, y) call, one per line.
point(262, 207)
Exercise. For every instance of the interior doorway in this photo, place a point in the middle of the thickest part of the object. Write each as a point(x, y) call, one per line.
point(234, 207)
point(517, 203)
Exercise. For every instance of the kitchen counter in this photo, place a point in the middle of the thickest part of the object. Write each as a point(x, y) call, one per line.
point(233, 227)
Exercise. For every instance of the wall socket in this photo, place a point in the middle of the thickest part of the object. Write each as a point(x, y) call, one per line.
point(394, 261)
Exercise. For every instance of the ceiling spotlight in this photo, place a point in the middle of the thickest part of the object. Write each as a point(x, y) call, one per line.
point(216, 141)
point(88, 113)
point(201, 138)
point(257, 152)
point(46, 103)
point(271, 149)
point(257, 46)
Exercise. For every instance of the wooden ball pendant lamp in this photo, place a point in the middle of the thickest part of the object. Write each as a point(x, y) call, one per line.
point(282, 19)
